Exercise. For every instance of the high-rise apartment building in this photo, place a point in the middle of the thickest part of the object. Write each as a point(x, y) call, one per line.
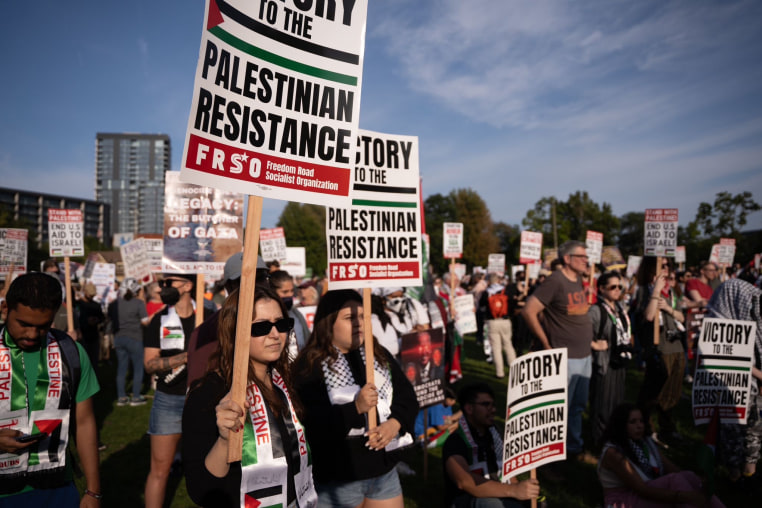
point(129, 176)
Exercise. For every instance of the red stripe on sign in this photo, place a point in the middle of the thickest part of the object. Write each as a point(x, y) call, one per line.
point(373, 271)
point(532, 457)
point(226, 161)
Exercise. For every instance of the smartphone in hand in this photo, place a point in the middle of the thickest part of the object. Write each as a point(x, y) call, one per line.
point(31, 438)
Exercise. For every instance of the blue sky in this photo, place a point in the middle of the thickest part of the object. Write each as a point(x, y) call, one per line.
point(644, 104)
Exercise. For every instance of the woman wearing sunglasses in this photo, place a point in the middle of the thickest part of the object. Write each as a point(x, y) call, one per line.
point(354, 466)
point(276, 465)
point(612, 346)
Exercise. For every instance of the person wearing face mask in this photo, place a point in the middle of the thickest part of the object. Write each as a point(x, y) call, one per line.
point(283, 284)
point(165, 354)
point(352, 466)
point(410, 313)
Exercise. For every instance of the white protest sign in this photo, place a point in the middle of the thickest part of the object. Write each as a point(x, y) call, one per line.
point(122, 238)
point(530, 249)
point(594, 242)
point(723, 370)
point(459, 269)
point(714, 256)
point(535, 417)
point(13, 250)
point(296, 261)
point(308, 312)
point(465, 318)
point(727, 251)
point(496, 264)
point(276, 100)
point(66, 232)
point(534, 269)
point(660, 232)
point(680, 254)
point(272, 244)
point(633, 263)
point(452, 240)
point(154, 251)
point(137, 265)
point(377, 241)
point(103, 277)
point(203, 227)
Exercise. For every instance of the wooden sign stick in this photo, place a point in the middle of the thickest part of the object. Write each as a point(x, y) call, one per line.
point(526, 279)
point(370, 373)
point(243, 320)
point(590, 293)
point(533, 476)
point(199, 298)
point(657, 317)
point(68, 298)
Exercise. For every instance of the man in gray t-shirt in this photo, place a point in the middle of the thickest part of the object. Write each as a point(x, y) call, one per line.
point(128, 343)
point(561, 300)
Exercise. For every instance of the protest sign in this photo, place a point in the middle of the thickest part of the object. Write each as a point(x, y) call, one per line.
point(714, 256)
point(459, 269)
point(276, 100)
point(203, 227)
point(533, 269)
point(693, 321)
point(308, 312)
point(633, 263)
point(452, 240)
point(422, 355)
point(530, 249)
point(121, 239)
point(594, 242)
point(535, 417)
point(723, 370)
point(272, 244)
point(496, 264)
point(137, 265)
point(465, 318)
point(611, 255)
point(66, 232)
point(103, 277)
point(295, 262)
point(727, 251)
point(154, 252)
point(13, 250)
point(377, 241)
point(660, 232)
point(549, 256)
point(680, 254)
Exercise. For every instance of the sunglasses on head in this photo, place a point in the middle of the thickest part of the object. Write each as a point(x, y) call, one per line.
point(262, 328)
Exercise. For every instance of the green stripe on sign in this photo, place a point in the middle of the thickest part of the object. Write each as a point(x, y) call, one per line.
point(260, 53)
point(395, 204)
point(723, 367)
point(530, 408)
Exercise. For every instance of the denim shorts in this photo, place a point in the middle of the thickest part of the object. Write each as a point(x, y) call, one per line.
point(166, 414)
point(351, 494)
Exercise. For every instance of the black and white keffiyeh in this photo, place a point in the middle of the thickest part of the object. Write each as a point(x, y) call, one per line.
point(343, 388)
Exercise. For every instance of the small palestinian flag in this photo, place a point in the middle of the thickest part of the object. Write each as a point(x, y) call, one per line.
point(269, 497)
point(438, 439)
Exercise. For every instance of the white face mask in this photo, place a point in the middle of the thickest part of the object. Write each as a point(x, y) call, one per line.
point(394, 304)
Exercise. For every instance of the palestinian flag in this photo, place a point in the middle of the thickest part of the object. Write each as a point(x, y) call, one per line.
point(438, 439)
point(264, 498)
point(51, 429)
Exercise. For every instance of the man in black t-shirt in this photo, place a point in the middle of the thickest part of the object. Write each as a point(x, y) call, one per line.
point(472, 456)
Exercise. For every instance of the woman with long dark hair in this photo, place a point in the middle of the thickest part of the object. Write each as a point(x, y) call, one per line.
point(275, 469)
point(354, 466)
point(635, 474)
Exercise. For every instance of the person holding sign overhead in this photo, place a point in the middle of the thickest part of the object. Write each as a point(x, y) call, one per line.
point(472, 457)
point(274, 446)
point(165, 354)
point(353, 466)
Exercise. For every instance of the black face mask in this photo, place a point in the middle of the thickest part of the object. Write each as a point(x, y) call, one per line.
point(169, 296)
point(288, 301)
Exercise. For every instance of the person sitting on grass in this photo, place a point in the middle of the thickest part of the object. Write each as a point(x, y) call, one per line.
point(634, 473)
point(471, 457)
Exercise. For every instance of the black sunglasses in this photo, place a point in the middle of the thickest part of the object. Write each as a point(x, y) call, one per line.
point(614, 286)
point(167, 283)
point(262, 328)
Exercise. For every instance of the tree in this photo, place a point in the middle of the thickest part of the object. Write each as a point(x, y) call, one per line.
point(631, 232)
point(727, 216)
point(509, 238)
point(304, 226)
point(574, 218)
point(466, 206)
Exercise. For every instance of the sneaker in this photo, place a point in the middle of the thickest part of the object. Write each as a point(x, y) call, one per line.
point(122, 401)
point(139, 401)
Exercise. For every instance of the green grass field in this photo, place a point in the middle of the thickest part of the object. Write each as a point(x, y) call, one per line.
point(124, 464)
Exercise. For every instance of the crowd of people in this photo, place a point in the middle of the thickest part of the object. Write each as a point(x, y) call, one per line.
point(316, 430)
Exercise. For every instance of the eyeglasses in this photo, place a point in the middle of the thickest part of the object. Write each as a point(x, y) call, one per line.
point(262, 328)
point(486, 404)
point(614, 286)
